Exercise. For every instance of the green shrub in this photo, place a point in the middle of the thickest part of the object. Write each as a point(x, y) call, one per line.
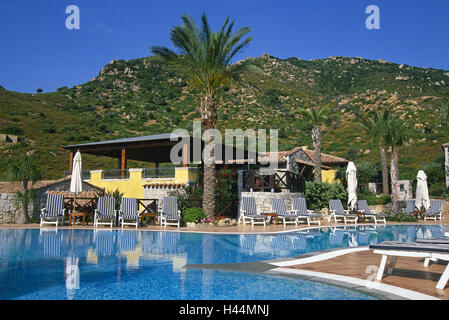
point(318, 194)
point(369, 197)
point(193, 215)
point(116, 194)
point(399, 217)
point(190, 197)
point(383, 200)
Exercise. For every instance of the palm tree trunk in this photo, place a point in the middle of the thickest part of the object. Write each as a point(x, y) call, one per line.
point(397, 167)
point(209, 120)
point(394, 179)
point(316, 138)
point(384, 164)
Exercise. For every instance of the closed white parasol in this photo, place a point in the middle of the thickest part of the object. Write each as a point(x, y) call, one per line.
point(351, 178)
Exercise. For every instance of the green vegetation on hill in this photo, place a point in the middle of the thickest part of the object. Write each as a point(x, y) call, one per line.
point(144, 96)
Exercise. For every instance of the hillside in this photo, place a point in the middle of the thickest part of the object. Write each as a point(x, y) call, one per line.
point(144, 96)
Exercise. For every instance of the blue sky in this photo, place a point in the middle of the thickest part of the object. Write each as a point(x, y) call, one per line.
point(38, 51)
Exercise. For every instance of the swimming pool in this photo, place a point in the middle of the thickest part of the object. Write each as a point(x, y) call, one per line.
point(132, 264)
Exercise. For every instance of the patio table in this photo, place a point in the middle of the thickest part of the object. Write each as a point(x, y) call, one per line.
point(360, 214)
point(271, 215)
point(418, 213)
point(73, 215)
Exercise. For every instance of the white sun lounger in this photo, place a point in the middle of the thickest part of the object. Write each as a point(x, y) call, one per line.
point(435, 211)
point(105, 212)
point(170, 215)
point(53, 211)
point(248, 210)
point(278, 207)
point(338, 212)
point(362, 206)
point(128, 214)
point(299, 206)
point(428, 251)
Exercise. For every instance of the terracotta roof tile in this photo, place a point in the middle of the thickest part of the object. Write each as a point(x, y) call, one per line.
point(326, 158)
point(11, 187)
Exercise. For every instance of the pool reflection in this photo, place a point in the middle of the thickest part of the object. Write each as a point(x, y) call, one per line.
point(32, 259)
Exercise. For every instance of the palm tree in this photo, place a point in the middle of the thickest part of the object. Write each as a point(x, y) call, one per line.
point(397, 134)
point(24, 171)
point(316, 117)
point(204, 58)
point(375, 128)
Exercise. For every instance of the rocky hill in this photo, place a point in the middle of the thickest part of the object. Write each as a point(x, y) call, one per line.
point(144, 96)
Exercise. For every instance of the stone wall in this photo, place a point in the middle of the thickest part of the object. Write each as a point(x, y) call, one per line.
point(383, 208)
point(263, 199)
point(9, 213)
point(159, 191)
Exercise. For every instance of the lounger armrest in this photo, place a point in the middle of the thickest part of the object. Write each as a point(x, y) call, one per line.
point(310, 211)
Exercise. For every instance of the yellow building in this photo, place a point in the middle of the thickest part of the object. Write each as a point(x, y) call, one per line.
point(134, 181)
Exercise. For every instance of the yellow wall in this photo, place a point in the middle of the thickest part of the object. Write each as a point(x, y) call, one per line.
point(134, 186)
point(328, 176)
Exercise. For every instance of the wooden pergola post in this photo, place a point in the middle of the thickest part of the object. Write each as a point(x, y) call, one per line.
point(123, 163)
point(71, 161)
point(185, 155)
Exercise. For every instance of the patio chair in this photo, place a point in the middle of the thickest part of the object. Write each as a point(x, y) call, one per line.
point(170, 215)
point(338, 212)
point(416, 250)
point(54, 210)
point(362, 206)
point(248, 210)
point(128, 214)
point(435, 211)
point(105, 212)
point(299, 206)
point(278, 207)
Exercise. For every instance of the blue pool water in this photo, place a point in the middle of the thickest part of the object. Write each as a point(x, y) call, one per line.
point(130, 264)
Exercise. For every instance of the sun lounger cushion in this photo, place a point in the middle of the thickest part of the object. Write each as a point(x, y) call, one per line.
point(336, 206)
point(54, 206)
point(439, 240)
point(300, 206)
point(249, 206)
point(128, 208)
point(435, 208)
point(278, 206)
point(413, 246)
